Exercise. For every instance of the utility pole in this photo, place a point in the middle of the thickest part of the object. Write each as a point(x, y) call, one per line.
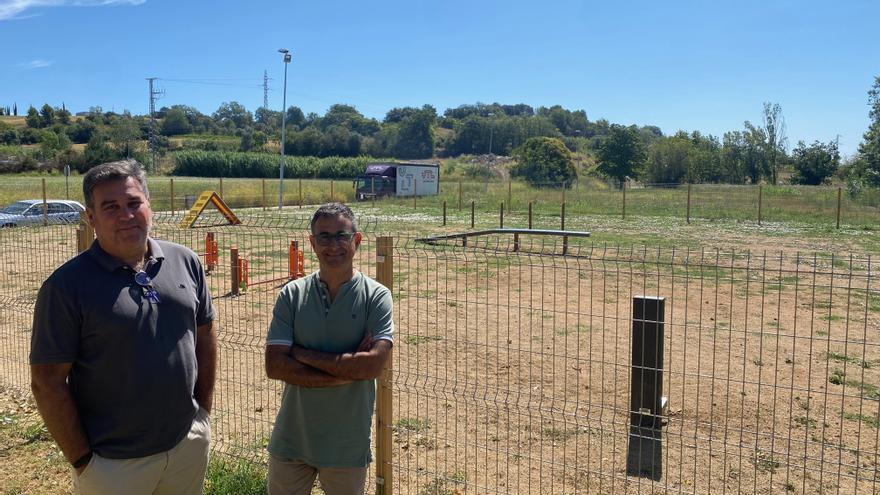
point(265, 89)
point(155, 94)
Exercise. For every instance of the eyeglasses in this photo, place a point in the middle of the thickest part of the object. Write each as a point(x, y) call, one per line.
point(326, 239)
point(145, 281)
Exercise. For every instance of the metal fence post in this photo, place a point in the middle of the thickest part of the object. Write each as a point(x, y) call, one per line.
point(264, 194)
point(300, 193)
point(509, 193)
point(173, 210)
point(624, 200)
point(501, 216)
point(647, 404)
point(459, 194)
point(384, 404)
point(444, 212)
point(472, 213)
point(562, 227)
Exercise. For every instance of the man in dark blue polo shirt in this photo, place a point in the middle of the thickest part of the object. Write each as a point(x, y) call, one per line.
point(124, 351)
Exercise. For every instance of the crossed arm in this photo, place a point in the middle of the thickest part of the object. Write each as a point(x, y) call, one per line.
point(309, 368)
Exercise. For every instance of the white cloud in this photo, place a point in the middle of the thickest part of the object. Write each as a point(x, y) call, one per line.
point(10, 9)
point(35, 64)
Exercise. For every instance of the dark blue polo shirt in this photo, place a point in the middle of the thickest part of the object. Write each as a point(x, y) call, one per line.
point(134, 363)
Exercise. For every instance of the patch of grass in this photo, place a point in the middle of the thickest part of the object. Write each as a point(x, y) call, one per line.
point(873, 421)
point(558, 434)
point(831, 318)
point(421, 339)
point(412, 424)
point(765, 462)
point(575, 330)
point(843, 358)
point(868, 390)
point(445, 484)
point(805, 421)
point(239, 477)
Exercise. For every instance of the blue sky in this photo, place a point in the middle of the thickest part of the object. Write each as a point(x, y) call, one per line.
point(691, 65)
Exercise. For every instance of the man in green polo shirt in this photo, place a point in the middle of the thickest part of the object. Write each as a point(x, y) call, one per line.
point(330, 335)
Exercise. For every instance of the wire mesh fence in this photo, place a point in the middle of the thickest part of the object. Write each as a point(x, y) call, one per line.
point(513, 371)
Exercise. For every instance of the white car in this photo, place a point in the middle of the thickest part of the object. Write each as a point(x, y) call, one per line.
point(30, 212)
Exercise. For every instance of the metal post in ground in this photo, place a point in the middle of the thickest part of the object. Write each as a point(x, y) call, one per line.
point(624, 200)
point(171, 186)
point(264, 194)
point(647, 404)
point(562, 227)
point(472, 214)
point(444, 212)
point(501, 216)
point(459, 194)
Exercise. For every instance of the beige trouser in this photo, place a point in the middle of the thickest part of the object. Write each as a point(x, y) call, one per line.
point(296, 478)
point(179, 471)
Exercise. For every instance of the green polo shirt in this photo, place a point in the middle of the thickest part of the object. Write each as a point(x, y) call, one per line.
point(328, 426)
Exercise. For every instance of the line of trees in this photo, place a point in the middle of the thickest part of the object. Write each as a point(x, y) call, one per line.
point(755, 153)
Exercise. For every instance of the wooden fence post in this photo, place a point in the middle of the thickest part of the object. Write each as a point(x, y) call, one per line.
point(264, 194)
point(415, 193)
point(644, 453)
point(384, 396)
point(221, 189)
point(530, 214)
point(45, 205)
point(444, 212)
point(300, 192)
point(472, 214)
point(85, 234)
point(689, 204)
point(624, 200)
point(501, 216)
point(235, 273)
point(562, 227)
point(839, 190)
point(173, 209)
point(760, 201)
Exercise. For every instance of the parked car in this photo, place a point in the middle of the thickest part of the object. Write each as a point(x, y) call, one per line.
point(30, 212)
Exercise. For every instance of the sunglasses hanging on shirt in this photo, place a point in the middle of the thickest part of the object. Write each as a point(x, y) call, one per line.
point(145, 281)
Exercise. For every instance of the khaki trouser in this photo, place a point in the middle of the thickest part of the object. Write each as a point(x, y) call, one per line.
point(296, 478)
point(179, 471)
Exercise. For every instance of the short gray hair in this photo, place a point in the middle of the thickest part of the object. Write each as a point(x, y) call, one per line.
point(334, 210)
point(113, 171)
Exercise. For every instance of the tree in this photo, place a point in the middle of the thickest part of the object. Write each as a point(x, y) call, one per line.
point(235, 114)
point(63, 116)
point(814, 164)
point(415, 137)
point(774, 127)
point(33, 119)
point(97, 152)
point(15, 109)
point(869, 149)
point(175, 123)
point(47, 114)
point(544, 161)
point(124, 133)
point(622, 153)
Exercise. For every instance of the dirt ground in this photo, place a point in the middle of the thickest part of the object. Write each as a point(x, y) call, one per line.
point(512, 371)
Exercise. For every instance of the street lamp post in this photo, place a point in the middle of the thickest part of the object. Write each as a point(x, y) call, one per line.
point(286, 53)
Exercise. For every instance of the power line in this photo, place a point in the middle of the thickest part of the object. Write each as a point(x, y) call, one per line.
point(265, 89)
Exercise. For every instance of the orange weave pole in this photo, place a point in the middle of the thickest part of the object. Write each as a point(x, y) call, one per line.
point(243, 272)
point(212, 256)
point(291, 260)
